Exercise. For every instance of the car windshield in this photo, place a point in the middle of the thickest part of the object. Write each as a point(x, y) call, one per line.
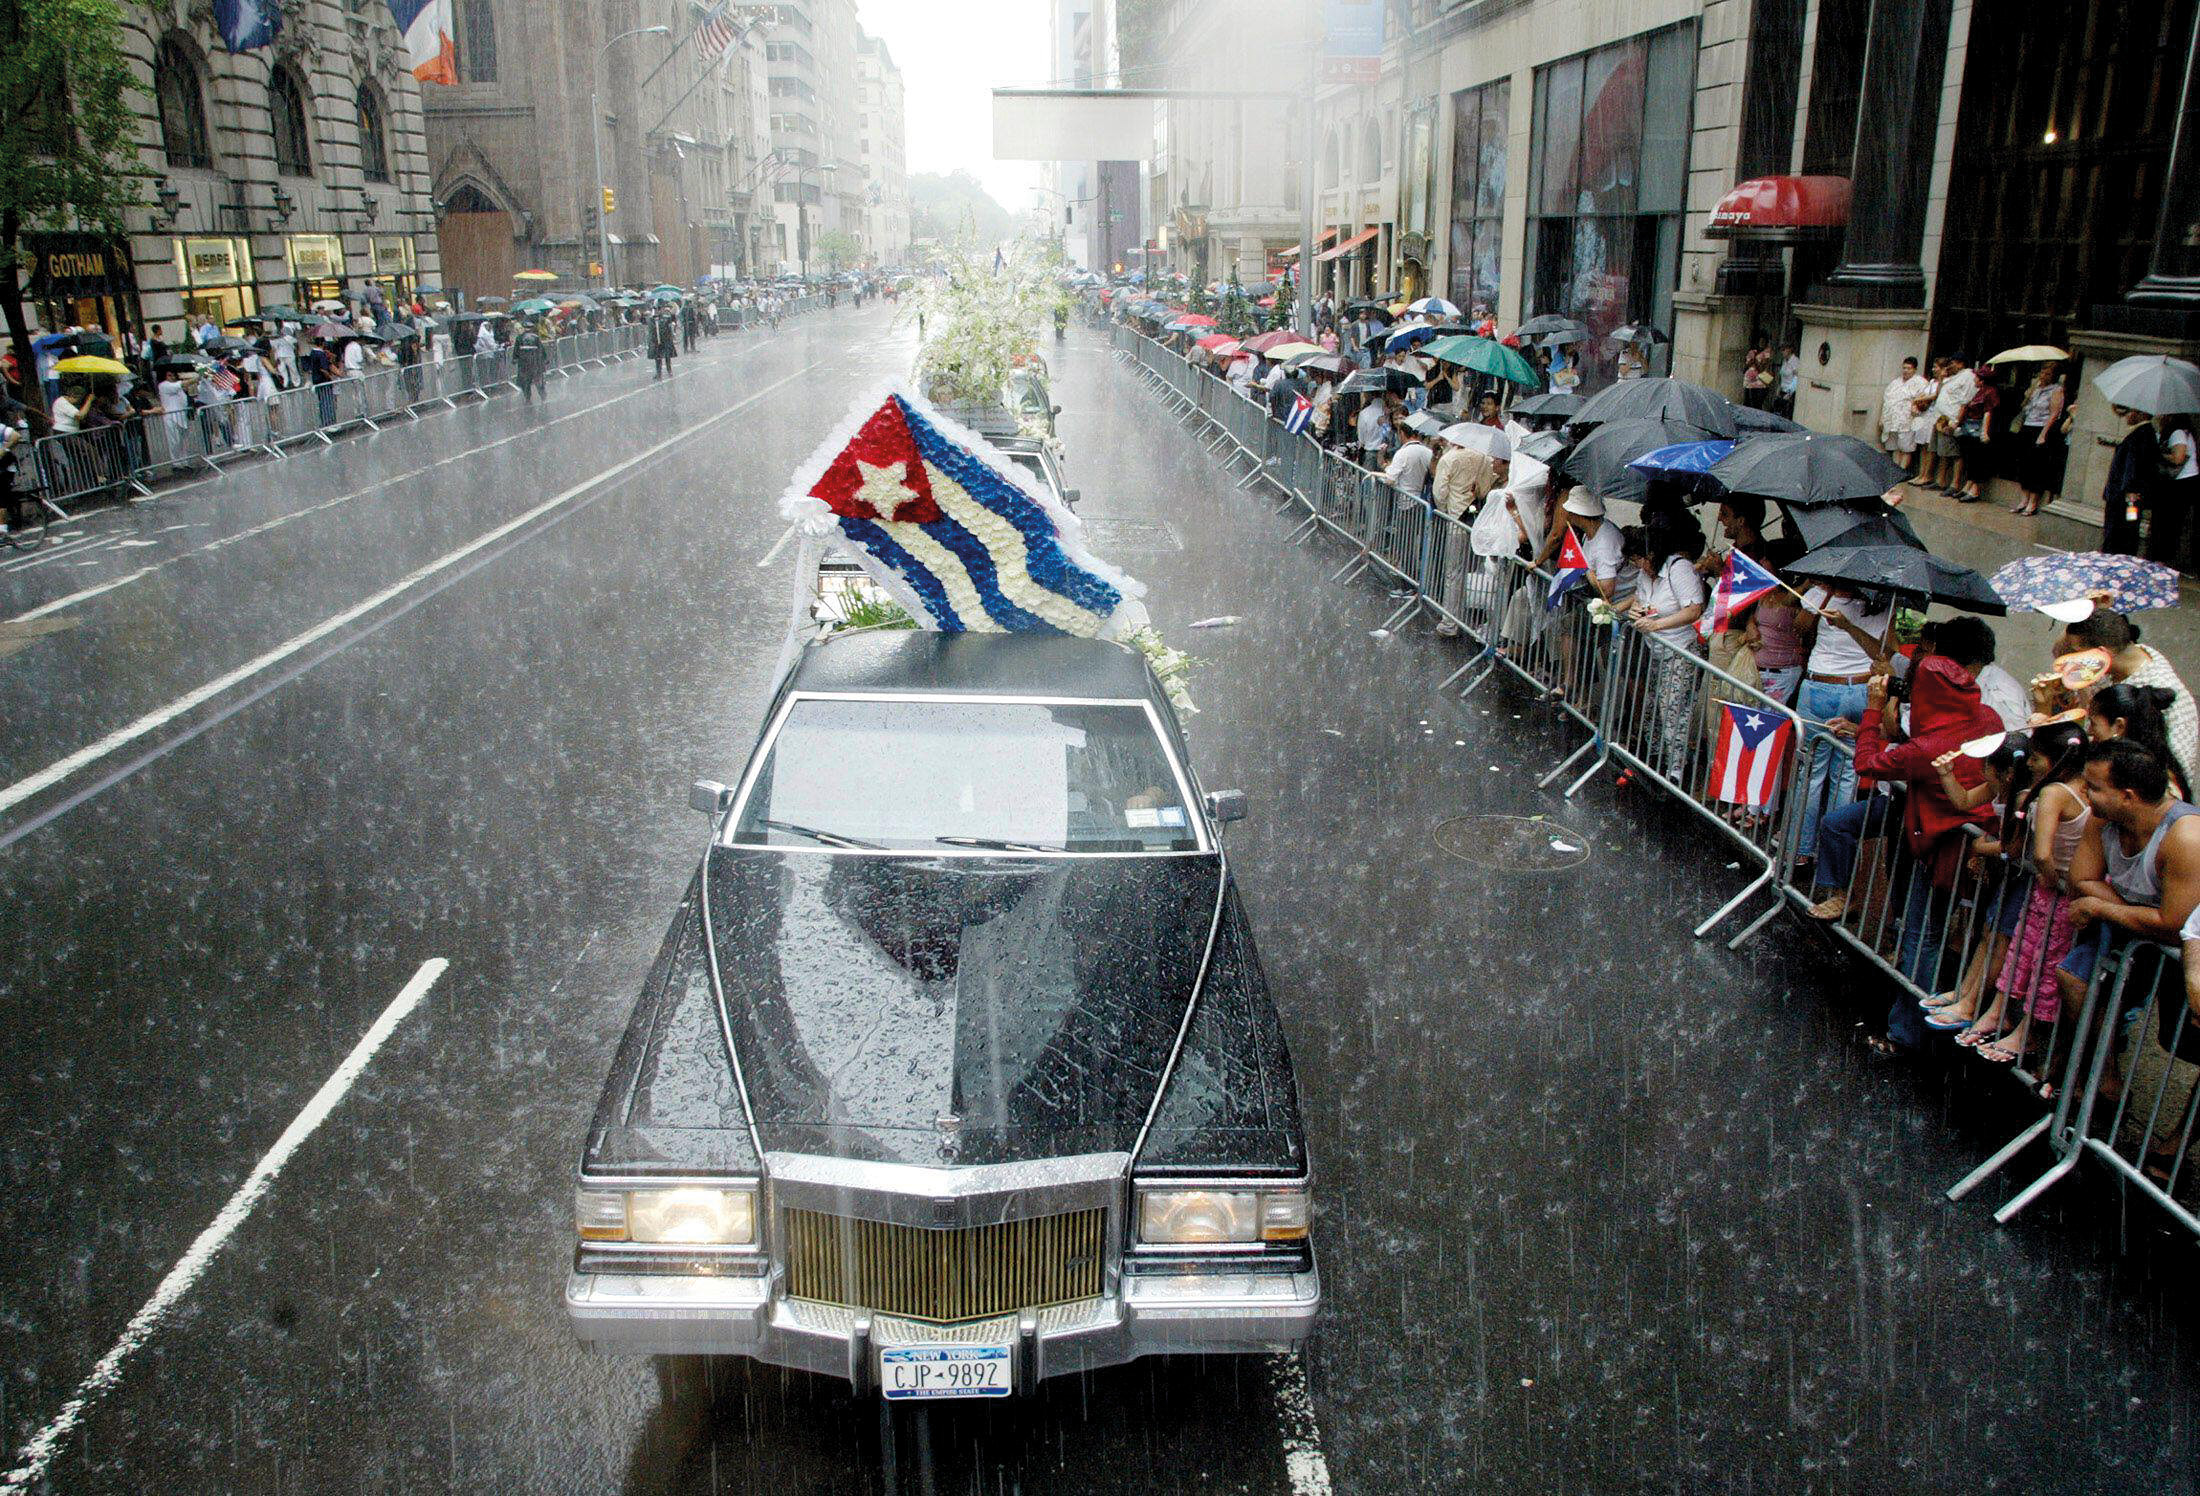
point(1030, 463)
point(900, 775)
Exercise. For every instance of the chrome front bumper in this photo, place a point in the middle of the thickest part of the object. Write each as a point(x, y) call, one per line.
point(1192, 1313)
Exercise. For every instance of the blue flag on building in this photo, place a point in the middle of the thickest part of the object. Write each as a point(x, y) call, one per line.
point(246, 24)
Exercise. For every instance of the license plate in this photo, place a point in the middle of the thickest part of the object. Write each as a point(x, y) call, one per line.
point(944, 1371)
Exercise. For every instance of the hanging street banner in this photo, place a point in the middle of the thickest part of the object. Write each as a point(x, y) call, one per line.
point(247, 24)
point(1352, 44)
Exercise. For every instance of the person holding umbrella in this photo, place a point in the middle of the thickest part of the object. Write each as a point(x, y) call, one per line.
point(527, 360)
point(2131, 474)
point(664, 343)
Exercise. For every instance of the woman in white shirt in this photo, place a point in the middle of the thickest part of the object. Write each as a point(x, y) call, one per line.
point(1669, 598)
point(68, 410)
point(2172, 512)
point(1847, 636)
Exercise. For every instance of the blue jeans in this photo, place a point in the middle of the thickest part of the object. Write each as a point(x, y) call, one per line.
point(1842, 831)
point(1830, 778)
point(1924, 914)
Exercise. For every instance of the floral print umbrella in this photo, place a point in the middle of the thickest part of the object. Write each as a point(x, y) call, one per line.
point(2131, 585)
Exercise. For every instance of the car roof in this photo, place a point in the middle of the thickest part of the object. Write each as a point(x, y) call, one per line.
point(925, 662)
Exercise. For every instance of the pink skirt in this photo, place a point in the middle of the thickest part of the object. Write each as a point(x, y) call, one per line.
point(2044, 936)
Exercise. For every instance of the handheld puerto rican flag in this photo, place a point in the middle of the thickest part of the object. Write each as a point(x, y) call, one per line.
point(429, 51)
point(1302, 411)
point(1752, 749)
point(1573, 569)
point(952, 531)
point(1743, 582)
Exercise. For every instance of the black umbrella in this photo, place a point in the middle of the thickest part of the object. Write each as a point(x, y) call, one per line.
point(1380, 382)
point(1660, 399)
point(1821, 524)
point(1877, 554)
point(1546, 447)
point(1755, 420)
point(1600, 462)
point(229, 345)
point(1327, 363)
point(1561, 403)
point(1553, 330)
point(1807, 468)
point(1636, 332)
point(1373, 309)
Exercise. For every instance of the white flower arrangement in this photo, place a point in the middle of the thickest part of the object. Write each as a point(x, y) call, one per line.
point(979, 323)
point(1171, 667)
point(1602, 612)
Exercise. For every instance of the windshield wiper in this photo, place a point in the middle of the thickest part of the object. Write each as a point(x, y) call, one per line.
point(993, 844)
point(828, 838)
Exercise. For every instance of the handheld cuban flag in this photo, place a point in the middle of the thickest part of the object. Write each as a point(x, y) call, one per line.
point(429, 51)
point(1302, 412)
point(1753, 743)
point(1573, 569)
point(247, 24)
point(952, 531)
point(1743, 582)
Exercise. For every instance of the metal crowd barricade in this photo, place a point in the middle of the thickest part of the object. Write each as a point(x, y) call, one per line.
point(2129, 1089)
point(1664, 714)
point(77, 464)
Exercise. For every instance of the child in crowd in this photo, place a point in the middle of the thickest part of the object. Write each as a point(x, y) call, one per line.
point(2054, 816)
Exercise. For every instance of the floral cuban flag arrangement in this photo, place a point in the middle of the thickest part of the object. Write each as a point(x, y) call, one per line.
point(958, 536)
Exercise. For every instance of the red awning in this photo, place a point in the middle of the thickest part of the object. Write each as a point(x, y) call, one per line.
point(1293, 252)
point(1349, 245)
point(1782, 209)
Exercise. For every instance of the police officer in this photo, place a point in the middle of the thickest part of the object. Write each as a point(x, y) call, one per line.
point(527, 361)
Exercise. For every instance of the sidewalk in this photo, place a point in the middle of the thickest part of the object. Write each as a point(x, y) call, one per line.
point(1987, 537)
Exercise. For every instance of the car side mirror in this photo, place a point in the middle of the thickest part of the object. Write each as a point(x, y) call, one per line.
point(1055, 411)
point(1225, 805)
point(1070, 496)
point(710, 797)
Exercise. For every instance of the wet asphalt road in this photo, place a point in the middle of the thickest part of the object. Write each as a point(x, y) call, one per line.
point(1601, 1208)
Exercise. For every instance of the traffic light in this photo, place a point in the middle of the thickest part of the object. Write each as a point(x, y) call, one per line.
point(610, 201)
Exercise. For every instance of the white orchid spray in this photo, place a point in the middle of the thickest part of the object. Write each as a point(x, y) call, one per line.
point(979, 323)
point(1172, 667)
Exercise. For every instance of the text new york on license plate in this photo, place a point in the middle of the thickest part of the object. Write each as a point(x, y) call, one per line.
point(944, 1371)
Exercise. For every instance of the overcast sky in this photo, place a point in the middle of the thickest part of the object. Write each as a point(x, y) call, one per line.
point(952, 53)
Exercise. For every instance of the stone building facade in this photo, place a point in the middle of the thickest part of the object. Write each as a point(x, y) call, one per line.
point(279, 175)
point(514, 156)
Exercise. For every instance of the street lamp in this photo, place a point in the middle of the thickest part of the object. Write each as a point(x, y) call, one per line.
point(595, 138)
point(802, 211)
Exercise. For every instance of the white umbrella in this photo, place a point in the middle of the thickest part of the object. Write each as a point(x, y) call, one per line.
point(1485, 439)
point(2151, 382)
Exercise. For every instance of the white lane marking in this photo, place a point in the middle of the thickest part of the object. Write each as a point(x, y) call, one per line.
point(86, 594)
point(1303, 1460)
point(36, 1455)
point(16, 793)
point(55, 553)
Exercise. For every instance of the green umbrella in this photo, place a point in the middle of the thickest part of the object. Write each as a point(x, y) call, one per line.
point(1485, 356)
point(535, 306)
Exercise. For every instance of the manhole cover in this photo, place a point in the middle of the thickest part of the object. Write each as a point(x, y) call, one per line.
point(1512, 844)
point(1132, 535)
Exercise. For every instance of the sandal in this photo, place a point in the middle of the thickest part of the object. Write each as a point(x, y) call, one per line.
point(1997, 1053)
point(1830, 908)
point(1946, 1022)
point(1880, 1047)
point(1937, 1000)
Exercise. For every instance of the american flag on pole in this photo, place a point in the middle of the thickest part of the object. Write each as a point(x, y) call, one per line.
point(1742, 583)
point(221, 379)
point(716, 32)
point(1302, 411)
point(1752, 749)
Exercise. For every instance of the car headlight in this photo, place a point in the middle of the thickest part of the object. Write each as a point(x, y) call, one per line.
point(683, 1215)
point(1199, 1218)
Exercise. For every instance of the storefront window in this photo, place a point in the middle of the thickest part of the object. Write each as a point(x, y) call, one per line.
point(216, 278)
point(1478, 123)
point(1608, 170)
point(316, 267)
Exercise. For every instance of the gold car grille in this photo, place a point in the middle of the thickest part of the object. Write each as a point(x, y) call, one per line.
point(966, 1272)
